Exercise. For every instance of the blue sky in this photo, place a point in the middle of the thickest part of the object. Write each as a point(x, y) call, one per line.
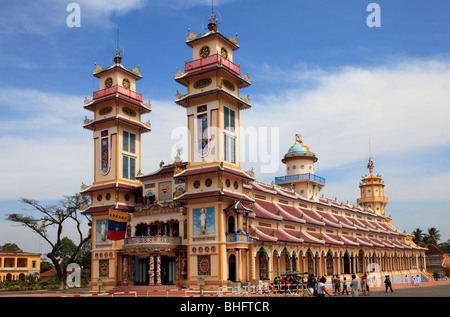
point(316, 69)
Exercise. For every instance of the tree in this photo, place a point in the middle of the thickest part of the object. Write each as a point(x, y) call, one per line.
point(445, 246)
point(56, 216)
point(418, 236)
point(10, 247)
point(432, 237)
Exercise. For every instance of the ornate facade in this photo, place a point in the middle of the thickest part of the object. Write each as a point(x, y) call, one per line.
point(207, 218)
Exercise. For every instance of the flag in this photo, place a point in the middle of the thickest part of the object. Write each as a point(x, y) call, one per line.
point(117, 224)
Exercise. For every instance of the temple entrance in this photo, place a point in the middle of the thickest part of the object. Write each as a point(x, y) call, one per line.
point(232, 268)
point(346, 264)
point(141, 271)
point(168, 270)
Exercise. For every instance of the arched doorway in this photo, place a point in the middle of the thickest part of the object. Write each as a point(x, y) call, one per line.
point(232, 268)
point(263, 264)
point(346, 259)
point(231, 224)
point(329, 263)
point(310, 262)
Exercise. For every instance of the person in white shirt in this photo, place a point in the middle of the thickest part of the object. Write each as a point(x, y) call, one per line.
point(354, 286)
point(321, 290)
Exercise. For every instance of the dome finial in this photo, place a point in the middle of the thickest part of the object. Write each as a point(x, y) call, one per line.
point(370, 165)
point(117, 58)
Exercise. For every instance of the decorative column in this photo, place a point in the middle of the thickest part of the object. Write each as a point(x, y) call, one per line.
point(151, 270)
point(252, 264)
point(247, 266)
point(132, 269)
point(238, 264)
point(177, 267)
point(158, 270)
point(125, 270)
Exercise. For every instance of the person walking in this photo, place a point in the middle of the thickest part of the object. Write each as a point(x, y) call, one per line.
point(337, 286)
point(388, 283)
point(321, 290)
point(344, 286)
point(363, 284)
point(354, 286)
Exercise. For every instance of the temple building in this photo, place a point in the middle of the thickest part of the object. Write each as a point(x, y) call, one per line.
point(206, 217)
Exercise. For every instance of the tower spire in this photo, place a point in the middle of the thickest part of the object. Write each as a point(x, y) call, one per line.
point(117, 58)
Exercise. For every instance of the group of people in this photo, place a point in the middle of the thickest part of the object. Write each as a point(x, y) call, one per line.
point(339, 287)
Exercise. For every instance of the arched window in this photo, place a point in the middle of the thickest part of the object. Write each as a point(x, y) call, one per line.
point(149, 199)
point(263, 260)
point(231, 228)
point(329, 263)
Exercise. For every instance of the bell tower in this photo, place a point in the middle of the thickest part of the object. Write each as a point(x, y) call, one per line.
point(300, 176)
point(215, 196)
point(117, 128)
point(372, 191)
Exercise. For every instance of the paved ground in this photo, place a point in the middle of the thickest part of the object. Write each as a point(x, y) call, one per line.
point(430, 289)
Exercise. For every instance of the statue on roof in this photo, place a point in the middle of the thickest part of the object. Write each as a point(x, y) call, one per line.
point(298, 145)
point(177, 158)
point(370, 165)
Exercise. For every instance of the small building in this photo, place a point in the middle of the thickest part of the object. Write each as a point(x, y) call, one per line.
point(16, 265)
point(437, 261)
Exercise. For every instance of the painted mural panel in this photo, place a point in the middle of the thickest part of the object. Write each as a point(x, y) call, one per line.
point(102, 230)
point(165, 192)
point(204, 221)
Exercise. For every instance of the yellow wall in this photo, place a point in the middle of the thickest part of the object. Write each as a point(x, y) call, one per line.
point(15, 264)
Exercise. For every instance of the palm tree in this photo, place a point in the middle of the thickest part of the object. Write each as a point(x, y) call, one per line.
point(433, 236)
point(418, 236)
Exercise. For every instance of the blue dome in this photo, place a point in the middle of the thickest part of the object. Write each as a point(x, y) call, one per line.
point(297, 147)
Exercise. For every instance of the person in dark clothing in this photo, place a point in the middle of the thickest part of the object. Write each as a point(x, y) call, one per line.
point(344, 286)
point(388, 283)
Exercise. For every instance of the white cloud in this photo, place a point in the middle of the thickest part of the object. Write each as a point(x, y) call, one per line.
point(401, 109)
point(45, 17)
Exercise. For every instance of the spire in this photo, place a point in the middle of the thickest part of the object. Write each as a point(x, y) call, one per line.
point(212, 25)
point(117, 58)
point(370, 165)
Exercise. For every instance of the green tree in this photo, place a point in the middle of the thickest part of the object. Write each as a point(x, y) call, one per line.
point(45, 265)
point(84, 256)
point(445, 246)
point(10, 247)
point(66, 211)
point(65, 251)
point(432, 237)
point(417, 236)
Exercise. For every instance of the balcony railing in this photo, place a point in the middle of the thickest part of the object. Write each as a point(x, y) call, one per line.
point(153, 240)
point(237, 237)
point(299, 177)
point(212, 59)
point(117, 89)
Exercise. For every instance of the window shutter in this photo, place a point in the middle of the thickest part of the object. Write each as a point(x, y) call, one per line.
point(125, 166)
point(233, 150)
point(132, 143)
point(132, 168)
point(125, 140)
point(232, 123)
point(226, 118)
point(225, 147)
